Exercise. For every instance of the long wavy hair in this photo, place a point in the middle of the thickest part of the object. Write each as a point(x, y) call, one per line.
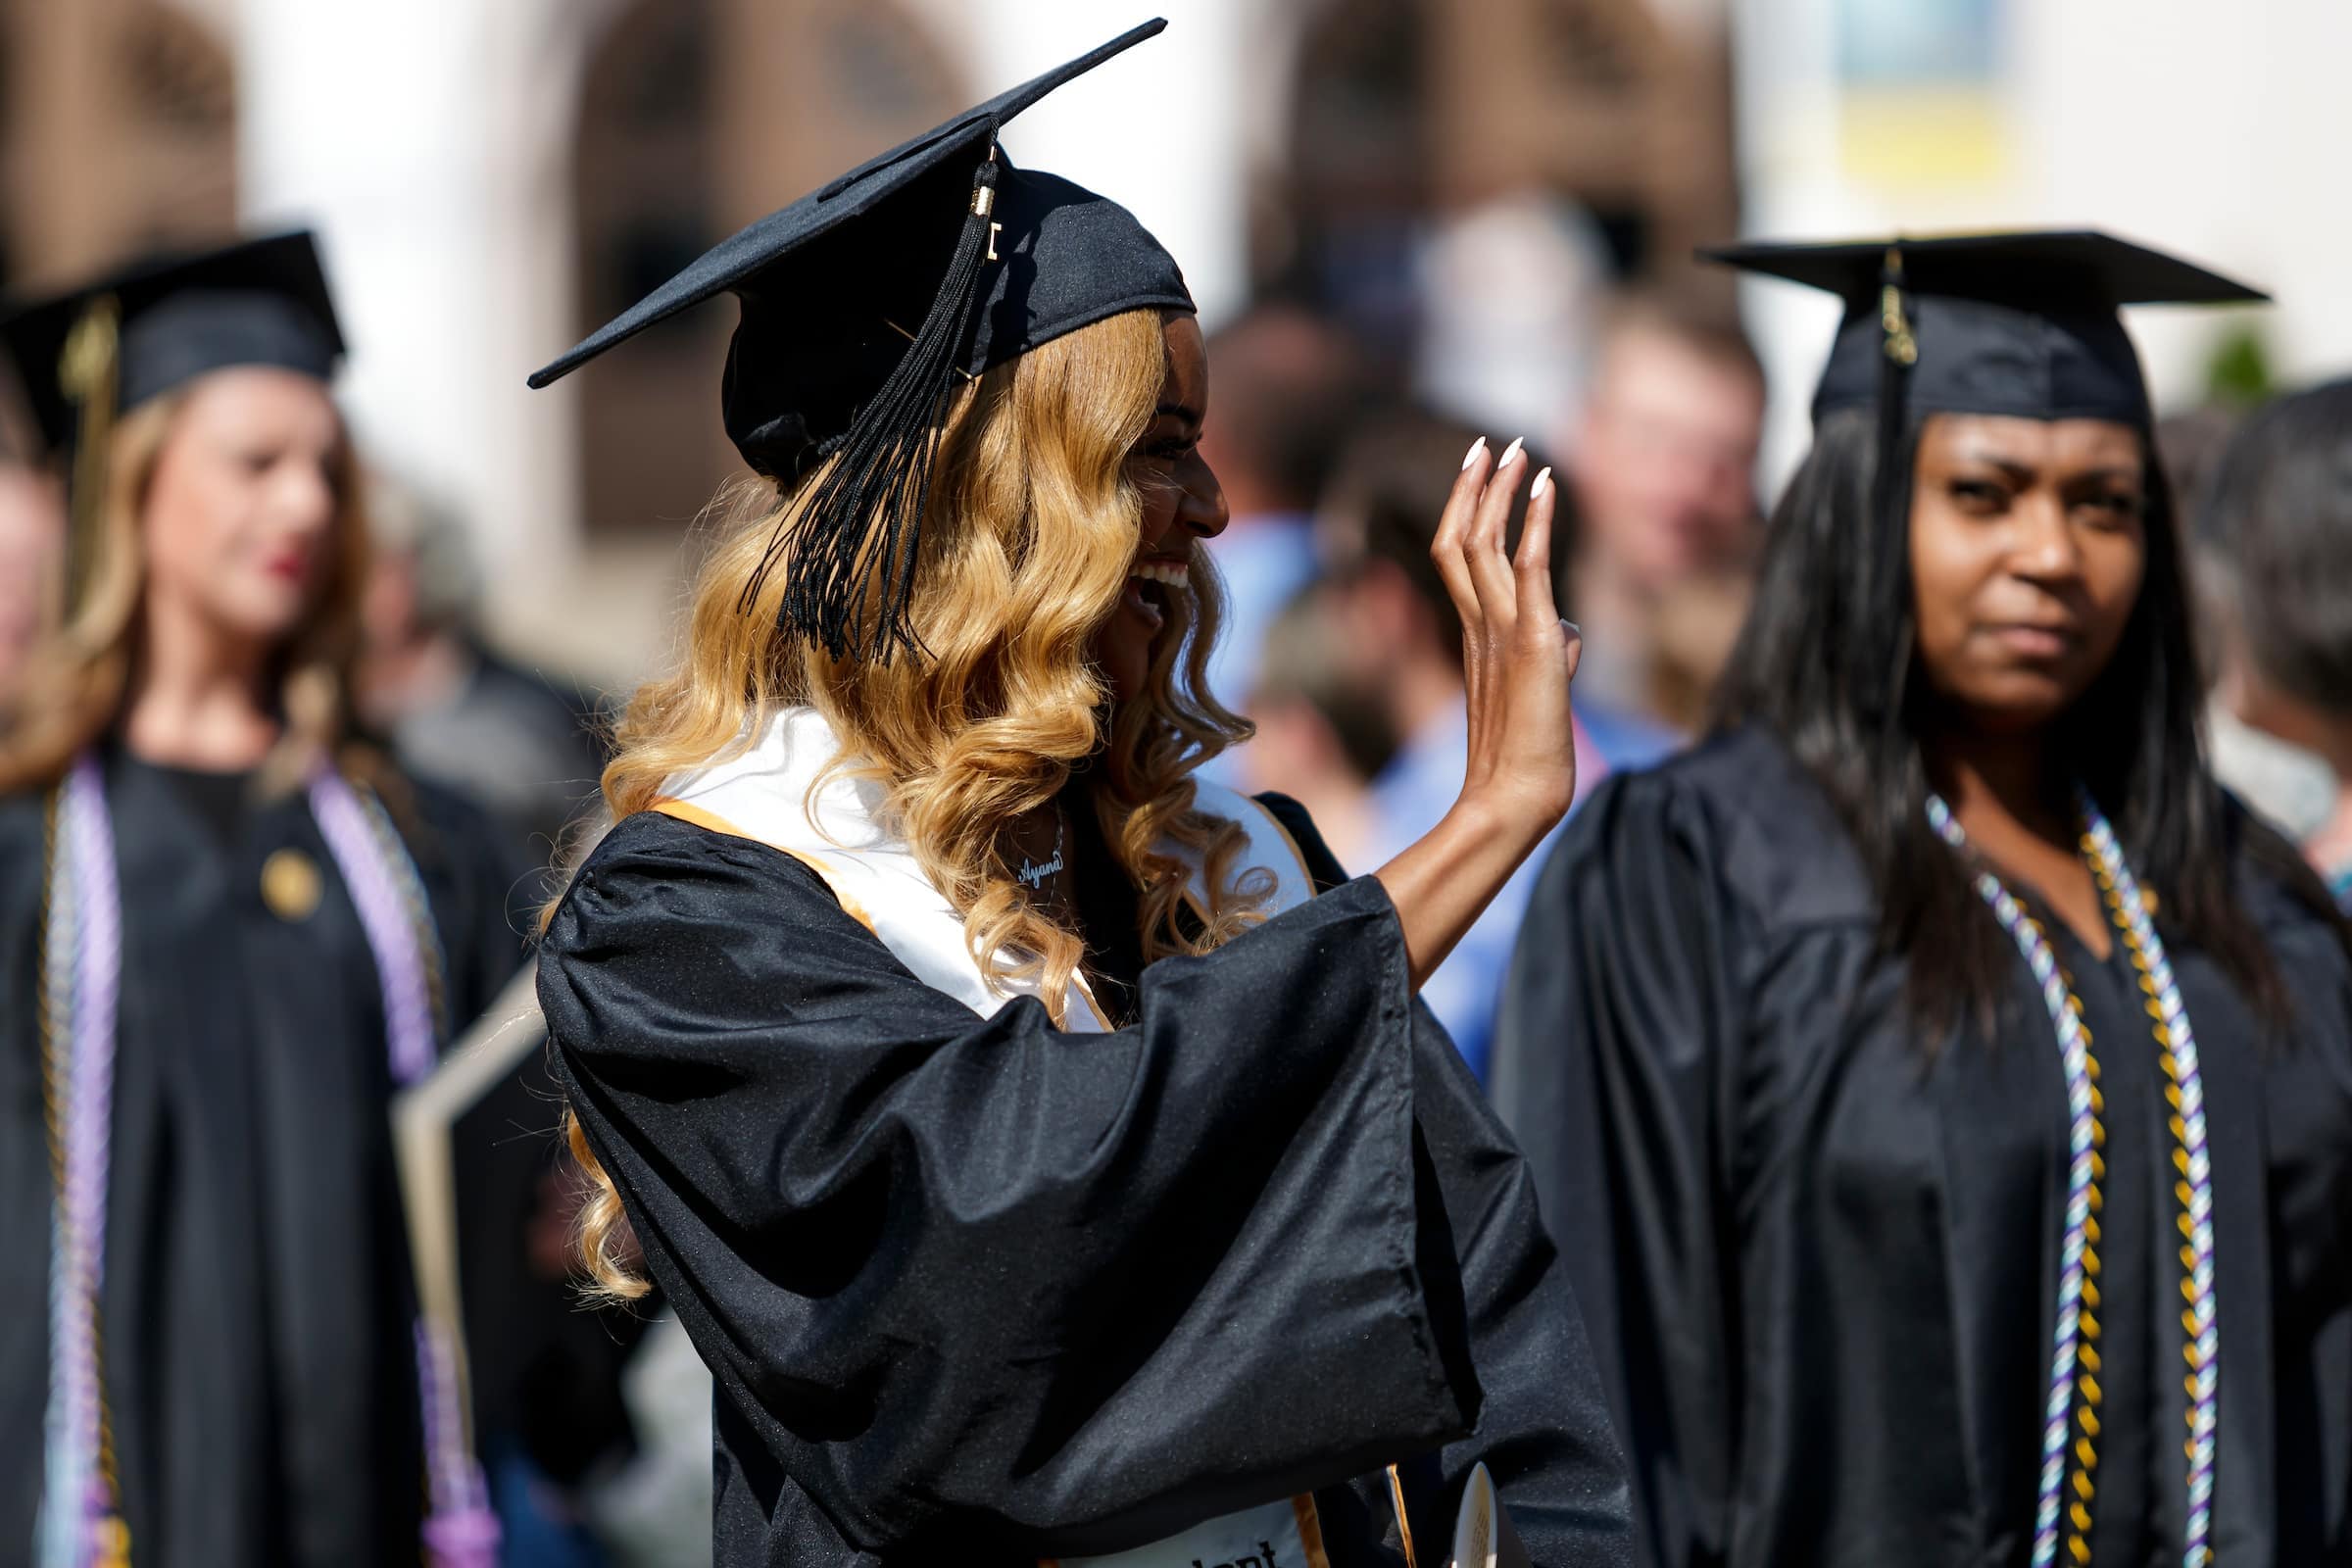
point(1828, 662)
point(77, 677)
point(1033, 524)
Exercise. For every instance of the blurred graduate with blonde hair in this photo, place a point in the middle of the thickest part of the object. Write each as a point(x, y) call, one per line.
point(228, 931)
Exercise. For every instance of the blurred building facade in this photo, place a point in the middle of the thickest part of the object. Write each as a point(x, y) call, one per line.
point(117, 134)
point(2214, 131)
point(494, 177)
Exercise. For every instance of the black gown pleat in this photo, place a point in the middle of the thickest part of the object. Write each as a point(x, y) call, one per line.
point(1819, 1261)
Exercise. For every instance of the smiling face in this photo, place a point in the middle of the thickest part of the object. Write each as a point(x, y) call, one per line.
point(2027, 549)
point(239, 520)
point(1181, 503)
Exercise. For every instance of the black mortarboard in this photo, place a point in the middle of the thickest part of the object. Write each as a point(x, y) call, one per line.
point(865, 302)
point(2021, 323)
point(260, 302)
point(101, 350)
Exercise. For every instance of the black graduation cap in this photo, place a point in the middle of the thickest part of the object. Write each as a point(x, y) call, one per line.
point(865, 304)
point(101, 350)
point(173, 318)
point(2014, 324)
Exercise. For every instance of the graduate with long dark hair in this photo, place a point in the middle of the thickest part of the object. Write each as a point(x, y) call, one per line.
point(1941, 1091)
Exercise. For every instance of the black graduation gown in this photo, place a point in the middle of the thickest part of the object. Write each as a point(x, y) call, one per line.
point(256, 1313)
point(1821, 1268)
point(981, 1291)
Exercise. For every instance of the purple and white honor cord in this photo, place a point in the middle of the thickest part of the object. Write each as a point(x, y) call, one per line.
point(84, 942)
point(392, 938)
point(83, 982)
point(461, 1532)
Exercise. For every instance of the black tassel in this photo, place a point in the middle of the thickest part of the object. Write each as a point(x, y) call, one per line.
point(851, 549)
point(1901, 351)
point(1888, 546)
point(87, 374)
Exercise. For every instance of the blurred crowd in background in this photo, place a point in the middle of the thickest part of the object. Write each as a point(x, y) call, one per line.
point(1413, 224)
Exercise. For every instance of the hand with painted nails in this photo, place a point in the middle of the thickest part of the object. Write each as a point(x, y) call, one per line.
point(1518, 659)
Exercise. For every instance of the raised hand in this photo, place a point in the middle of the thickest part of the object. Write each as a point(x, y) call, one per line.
point(1518, 659)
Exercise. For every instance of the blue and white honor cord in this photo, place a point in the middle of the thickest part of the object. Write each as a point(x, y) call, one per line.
point(2075, 1395)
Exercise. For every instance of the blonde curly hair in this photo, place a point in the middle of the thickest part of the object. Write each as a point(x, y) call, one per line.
point(1033, 525)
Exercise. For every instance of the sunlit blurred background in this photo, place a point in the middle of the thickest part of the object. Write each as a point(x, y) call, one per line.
point(1464, 182)
point(1405, 221)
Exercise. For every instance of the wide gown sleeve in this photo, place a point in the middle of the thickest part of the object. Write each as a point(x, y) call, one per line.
point(1543, 1432)
point(1615, 1043)
point(984, 1287)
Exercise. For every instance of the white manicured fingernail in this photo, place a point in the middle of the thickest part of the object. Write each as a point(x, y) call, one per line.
point(1475, 447)
point(1510, 454)
point(1573, 629)
point(1534, 492)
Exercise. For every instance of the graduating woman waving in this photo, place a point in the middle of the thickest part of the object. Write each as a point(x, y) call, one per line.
point(1045, 1148)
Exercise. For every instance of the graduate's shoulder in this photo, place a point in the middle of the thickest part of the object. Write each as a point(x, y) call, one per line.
point(665, 913)
point(1299, 823)
point(655, 845)
point(1736, 782)
point(2277, 886)
point(1742, 808)
point(649, 862)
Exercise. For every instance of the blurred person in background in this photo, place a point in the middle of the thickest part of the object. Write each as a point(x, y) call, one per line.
point(1321, 736)
point(1692, 628)
point(228, 932)
point(32, 534)
point(1290, 386)
point(2189, 444)
point(1401, 641)
point(1940, 1090)
point(1662, 461)
point(546, 1377)
point(1509, 290)
point(457, 714)
point(2280, 506)
point(2294, 789)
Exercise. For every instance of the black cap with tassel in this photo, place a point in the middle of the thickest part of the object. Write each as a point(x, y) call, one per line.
point(1898, 352)
point(86, 379)
point(863, 306)
point(95, 353)
point(2023, 323)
